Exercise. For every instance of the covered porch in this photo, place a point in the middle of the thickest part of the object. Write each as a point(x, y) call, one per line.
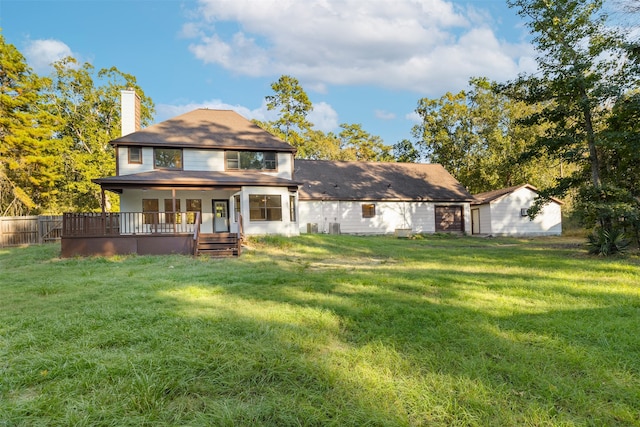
point(164, 212)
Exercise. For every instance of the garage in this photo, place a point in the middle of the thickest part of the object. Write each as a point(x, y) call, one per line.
point(449, 219)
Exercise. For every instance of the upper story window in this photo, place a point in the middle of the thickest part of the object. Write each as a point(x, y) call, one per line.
point(257, 160)
point(135, 154)
point(167, 158)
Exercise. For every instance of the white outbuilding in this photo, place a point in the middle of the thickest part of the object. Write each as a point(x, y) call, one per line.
point(504, 213)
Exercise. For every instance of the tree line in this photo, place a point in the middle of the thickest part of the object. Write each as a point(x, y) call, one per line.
point(570, 129)
point(55, 133)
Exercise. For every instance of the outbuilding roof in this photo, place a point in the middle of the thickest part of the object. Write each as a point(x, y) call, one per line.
point(204, 128)
point(336, 180)
point(491, 196)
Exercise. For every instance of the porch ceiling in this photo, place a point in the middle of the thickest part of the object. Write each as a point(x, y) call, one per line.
point(169, 179)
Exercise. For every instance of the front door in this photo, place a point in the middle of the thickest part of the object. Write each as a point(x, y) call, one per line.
point(475, 221)
point(220, 216)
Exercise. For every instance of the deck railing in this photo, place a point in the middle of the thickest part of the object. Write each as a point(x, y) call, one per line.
point(128, 223)
point(196, 233)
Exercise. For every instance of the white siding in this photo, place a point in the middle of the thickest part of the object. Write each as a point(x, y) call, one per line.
point(417, 216)
point(285, 165)
point(284, 227)
point(203, 160)
point(505, 217)
point(126, 168)
point(310, 212)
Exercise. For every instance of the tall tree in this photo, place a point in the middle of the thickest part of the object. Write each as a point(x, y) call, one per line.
point(404, 151)
point(292, 125)
point(87, 104)
point(319, 145)
point(293, 105)
point(358, 144)
point(29, 167)
point(582, 73)
point(476, 136)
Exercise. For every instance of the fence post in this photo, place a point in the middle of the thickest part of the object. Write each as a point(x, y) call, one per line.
point(1, 233)
point(40, 227)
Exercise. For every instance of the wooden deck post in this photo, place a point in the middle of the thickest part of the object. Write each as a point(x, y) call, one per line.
point(104, 216)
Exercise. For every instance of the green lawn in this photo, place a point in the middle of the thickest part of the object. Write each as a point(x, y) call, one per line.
point(323, 330)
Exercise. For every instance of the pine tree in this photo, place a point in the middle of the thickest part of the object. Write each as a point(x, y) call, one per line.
point(29, 154)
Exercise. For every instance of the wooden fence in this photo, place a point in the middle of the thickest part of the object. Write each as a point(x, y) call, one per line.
point(25, 230)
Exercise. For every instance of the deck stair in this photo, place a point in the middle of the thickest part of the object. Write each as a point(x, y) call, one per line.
point(218, 245)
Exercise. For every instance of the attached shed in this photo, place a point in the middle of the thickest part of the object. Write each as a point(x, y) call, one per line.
point(379, 198)
point(504, 213)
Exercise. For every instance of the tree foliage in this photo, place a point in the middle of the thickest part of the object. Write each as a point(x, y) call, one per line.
point(359, 145)
point(293, 105)
point(404, 151)
point(88, 106)
point(29, 154)
point(292, 125)
point(55, 133)
point(585, 68)
point(477, 137)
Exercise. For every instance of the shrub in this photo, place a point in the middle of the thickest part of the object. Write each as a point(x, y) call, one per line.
point(607, 242)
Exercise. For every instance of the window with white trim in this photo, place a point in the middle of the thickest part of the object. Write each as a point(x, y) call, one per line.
point(263, 207)
point(254, 160)
point(368, 210)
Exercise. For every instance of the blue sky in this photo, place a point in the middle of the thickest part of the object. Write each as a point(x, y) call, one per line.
point(360, 61)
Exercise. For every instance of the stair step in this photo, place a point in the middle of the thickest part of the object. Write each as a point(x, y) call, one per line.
point(218, 245)
point(219, 253)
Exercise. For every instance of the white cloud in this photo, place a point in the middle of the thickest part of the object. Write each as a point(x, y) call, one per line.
point(323, 117)
point(426, 46)
point(168, 111)
point(413, 117)
point(40, 54)
point(384, 115)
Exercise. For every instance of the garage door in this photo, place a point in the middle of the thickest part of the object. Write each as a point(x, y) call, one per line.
point(449, 219)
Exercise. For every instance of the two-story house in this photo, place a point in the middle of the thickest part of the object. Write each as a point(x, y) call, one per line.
point(208, 169)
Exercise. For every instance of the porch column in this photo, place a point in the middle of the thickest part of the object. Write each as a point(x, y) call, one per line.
point(173, 208)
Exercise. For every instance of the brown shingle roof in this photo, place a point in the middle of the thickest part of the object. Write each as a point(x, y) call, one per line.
point(333, 180)
point(222, 129)
point(192, 179)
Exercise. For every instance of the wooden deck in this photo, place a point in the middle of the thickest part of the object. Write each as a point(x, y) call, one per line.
point(143, 233)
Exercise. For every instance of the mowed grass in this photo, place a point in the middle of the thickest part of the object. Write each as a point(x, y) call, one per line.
point(323, 330)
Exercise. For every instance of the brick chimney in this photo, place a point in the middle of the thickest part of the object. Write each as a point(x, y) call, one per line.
point(130, 111)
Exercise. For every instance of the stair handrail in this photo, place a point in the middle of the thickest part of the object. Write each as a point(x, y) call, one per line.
point(196, 234)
